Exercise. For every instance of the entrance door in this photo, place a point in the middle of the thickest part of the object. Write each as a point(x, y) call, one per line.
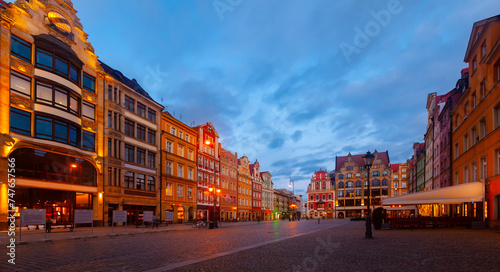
point(60, 212)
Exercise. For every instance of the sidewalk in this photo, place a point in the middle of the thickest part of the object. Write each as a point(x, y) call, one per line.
point(39, 236)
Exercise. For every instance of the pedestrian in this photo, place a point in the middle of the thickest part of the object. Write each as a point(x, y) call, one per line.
point(156, 222)
point(48, 224)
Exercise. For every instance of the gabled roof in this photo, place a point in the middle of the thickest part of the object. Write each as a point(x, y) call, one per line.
point(132, 84)
point(395, 167)
point(358, 159)
point(478, 28)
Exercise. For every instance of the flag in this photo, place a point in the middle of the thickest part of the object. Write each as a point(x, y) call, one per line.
point(228, 198)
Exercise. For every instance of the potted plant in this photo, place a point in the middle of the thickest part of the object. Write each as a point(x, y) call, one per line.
point(377, 217)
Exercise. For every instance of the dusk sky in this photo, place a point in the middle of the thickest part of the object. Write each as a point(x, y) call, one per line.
point(291, 83)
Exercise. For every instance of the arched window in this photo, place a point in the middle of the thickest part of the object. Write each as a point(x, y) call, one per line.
point(376, 174)
point(341, 176)
point(348, 175)
point(376, 182)
point(385, 182)
point(317, 197)
point(350, 184)
point(358, 184)
point(358, 175)
point(341, 185)
point(384, 173)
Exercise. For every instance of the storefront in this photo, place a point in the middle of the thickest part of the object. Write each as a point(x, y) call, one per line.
point(55, 182)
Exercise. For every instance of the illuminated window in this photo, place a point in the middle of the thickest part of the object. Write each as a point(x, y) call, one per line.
point(20, 84)
point(168, 190)
point(88, 110)
point(129, 180)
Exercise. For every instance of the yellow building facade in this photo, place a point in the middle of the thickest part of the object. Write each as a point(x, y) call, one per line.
point(244, 189)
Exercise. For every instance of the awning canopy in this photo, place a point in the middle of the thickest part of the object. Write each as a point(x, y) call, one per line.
point(402, 208)
point(468, 192)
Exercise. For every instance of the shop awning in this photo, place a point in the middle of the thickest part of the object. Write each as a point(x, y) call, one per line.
point(468, 192)
point(402, 208)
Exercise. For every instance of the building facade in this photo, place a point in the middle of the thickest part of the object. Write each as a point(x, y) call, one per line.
point(267, 196)
point(352, 184)
point(476, 116)
point(208, 172)
point(51, 106)
point(320, 201)
point(131, 129)
point(178, 168)
point(244, 189)
point(256, 191)
point(229, 185)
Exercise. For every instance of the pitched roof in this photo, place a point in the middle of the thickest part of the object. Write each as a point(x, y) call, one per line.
point(358, 159)
point(474, 35)
point(395, 167)
point(131, 83)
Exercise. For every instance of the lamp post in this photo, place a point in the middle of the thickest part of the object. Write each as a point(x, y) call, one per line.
point(368, 158)
point(292, 184)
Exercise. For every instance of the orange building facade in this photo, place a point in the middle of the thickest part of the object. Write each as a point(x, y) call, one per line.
point(178, 149)
point(244, 189)
point(229, 185)
point(476, 122)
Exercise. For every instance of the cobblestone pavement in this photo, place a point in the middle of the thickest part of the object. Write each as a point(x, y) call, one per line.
point(147, 251)
point(333, 245)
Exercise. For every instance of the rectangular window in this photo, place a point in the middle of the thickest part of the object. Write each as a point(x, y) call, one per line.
point(110, 147)
point(151, 184)
point(496, 116)
point(140, 182)
point(180, 134)
point(89, 82)
point(180, 172)
point(110, 93)
point(474, 102)
point(395, 185)
point(88, 141)
point(151, 160)
point(74, 73)
point(61, 98)
point(61, 66)
point(190, 173)
point(141, 109)
point(483, 89)
point(129, 103)
point(169, 147)
point(466, 142)
point(473, 136)
point(20, 48)
point(190, 192)
point(152, 115)
point(20, 84)
point(482, 128)
point(403, 184)
point(129, 180)
point(474, 171)
point(180, 190)
point(474, 64)
point(141, 132)
point(88, 110)
point(110, 119)
point(129, 153)
point(497, 164)
point(116, 148)
point(168, 190)
point(129, 128)
point(44, 59)
point(466, 174)
point(180, 151)
point(169, 168)
point(141, 156)
point(43, 127)
point(20, 121)
point(456, 151)
point(172, 131)
point(151, 136)
point(44, 92)
point(484, 174)
point(456, 178)
point(483, 50)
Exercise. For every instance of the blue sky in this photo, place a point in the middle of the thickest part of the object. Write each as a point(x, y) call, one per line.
point(291, 83)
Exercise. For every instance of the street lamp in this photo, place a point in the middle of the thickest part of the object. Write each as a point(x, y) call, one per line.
point(368, 158)
point(292, 184)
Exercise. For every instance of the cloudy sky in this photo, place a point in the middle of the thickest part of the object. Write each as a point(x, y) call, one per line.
point(291, 83)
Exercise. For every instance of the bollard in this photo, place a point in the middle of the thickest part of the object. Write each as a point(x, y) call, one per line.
point(318, 220)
